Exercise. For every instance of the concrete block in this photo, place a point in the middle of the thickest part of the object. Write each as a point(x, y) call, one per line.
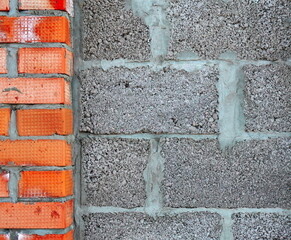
point(256, 226)
point(253, 29)
point(111, 31)
point(254, 174)
point(137, 226)
point(112, 172)
point(267, 98)
point(139, 100)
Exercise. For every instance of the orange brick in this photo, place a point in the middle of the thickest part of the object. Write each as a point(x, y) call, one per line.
point(45, 60)
point(40, 122)
point(30, 29)
point(34, 91)
point(45, 184)
point(4, 237)
point(35, 153)
point(4, 178)
point(3, 60)
point(4, 6)
point(4, 121)
point(66, 5)
point(36, 215)
point(67, 236)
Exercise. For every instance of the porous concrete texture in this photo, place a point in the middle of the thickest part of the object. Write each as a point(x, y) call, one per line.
point(267, 98)
point(138, 226)
point(111, 31)
point(112, 172)
point(257, 30)
point(140, 100)
point(253, 174)
point(257, 226)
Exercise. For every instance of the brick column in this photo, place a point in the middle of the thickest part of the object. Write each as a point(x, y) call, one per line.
point(36, 120)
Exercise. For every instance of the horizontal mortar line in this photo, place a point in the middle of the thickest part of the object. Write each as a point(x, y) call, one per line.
point(36, 12)
point(69, 138)
point(36, 106)
point(107, 64)
point(36, 168)
point(45, 199)
point(224, 211)
point(262, 135)
point(149, 136)
point(40, 231)
point(28, 75)
point(36, 45)
point(94, 209)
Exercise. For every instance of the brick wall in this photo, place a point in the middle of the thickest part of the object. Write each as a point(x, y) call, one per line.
point(184, 128)
point(36, 120)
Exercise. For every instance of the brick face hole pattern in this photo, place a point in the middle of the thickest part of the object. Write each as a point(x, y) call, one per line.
point(145, 120)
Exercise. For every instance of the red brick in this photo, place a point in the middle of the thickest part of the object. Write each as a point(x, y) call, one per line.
point(4, 178)
point(45, 184)
point(65, 5)
point(4, 237)
point(36, 215)
point(35, 153)
point(45, 60)
point(40, 122)
point(4, 6)
point(67, 236)
point(3, 60)
point(31, 29)
point(34, 91)
point(4, 121)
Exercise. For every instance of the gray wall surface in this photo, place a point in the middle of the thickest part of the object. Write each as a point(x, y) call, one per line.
point(182, 119)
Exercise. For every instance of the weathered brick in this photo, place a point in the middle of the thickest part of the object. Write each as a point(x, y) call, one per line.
point(45, 60)
point(252, 29)
point(35, 184)
point(34, 91)
point(4, 5)
point(254, 174)
point(138, 100)
point(198, 226)
point(4, 178)
point(31, 29)
point(4, 121)
point(65, 5)
point(257, 226)
point(112, 171)
point(36, 215)
point(267, 98)
point(3, 60)
point(41, 122)
point(35, 153)
point(67, 236)
point(111, 31)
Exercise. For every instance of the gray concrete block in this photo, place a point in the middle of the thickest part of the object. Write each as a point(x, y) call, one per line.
point(137, 226)
point(267, 98)
point(111, 31)
point(253, 29)
point(257, 226)
point(139, 100)
point(254, 174)
point(112, 172)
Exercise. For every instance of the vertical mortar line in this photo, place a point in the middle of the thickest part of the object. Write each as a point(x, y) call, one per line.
point(227, 223)
point(14, 175)
point(13, 8)
point(230, 89)
point(13, 133)
point(153, 176)
point(75, 85)
point(12, 62)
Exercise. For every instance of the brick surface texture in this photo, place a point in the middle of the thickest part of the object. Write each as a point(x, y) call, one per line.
point(36, 120)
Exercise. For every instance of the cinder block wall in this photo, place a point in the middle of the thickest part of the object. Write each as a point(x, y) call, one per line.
point(184, 130)
point(36, 120)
